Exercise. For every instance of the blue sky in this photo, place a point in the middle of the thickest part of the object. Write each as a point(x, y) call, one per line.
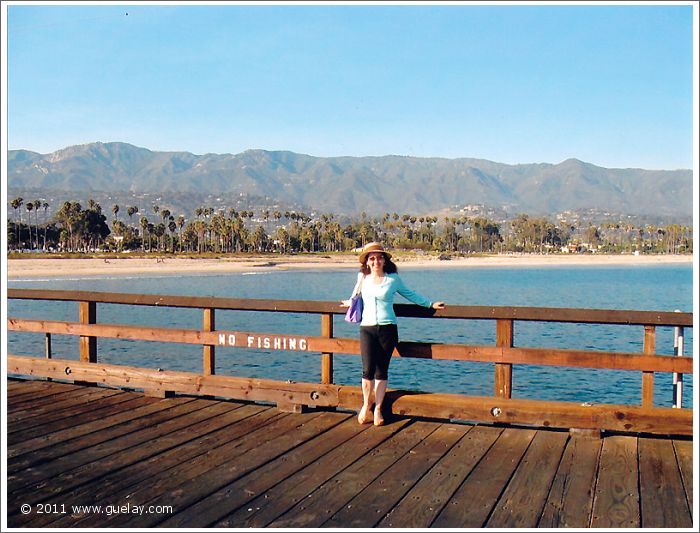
point(610, 85)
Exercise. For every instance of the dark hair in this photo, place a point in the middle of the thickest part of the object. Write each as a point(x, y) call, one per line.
point(389, 266)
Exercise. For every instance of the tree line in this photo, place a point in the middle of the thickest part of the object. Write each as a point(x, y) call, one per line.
point(74, 228)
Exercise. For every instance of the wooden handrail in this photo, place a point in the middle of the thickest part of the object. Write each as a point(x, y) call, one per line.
point(539, 314)
point(325, 344)
point(291, 397)
point(449, 406)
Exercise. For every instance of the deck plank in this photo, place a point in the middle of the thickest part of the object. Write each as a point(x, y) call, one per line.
point(426, 499)
point(246, 435)
point(379, 497)
point(191, 491)
point(53, 405)
point(663, 501)
point(199, 488)
point(66, 429)
point(39, 422)
point(155, 474)
point(41, 396)
point(329, 497)
point(21, 389)
point(34, 482)
point(616, 501)
point(222, 463)
point(525, 496)
point(70, 452)
point(241, 491)
point(570, 500)
point(120, 452)
point(76, 415)
point(684, 454)
point(264, 508)
point(473, 502)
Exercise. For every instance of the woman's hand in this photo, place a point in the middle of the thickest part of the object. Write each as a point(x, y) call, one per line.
point(438, 305)
point(345, 303)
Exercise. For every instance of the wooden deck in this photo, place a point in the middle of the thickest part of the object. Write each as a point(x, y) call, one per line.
point(198, 462)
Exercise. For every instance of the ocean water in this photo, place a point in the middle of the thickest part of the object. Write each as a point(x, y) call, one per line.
point(643, 287)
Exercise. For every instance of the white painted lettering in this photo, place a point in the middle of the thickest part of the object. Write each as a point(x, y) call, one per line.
point(262, 342)
point(222, 339)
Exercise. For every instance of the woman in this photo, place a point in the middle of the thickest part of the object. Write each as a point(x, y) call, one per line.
point(378, 281)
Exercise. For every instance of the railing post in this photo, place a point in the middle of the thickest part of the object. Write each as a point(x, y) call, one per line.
point(87, 313)
point(47, 349)
point(88, 345)
point(503, 372)
point(208, 355)
point(648, 377)
point(327, 357)
point(678, 378)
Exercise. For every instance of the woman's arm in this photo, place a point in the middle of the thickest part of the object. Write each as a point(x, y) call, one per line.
point(412, 296)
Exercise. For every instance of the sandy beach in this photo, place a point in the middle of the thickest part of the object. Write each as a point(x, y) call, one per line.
point(47, 268)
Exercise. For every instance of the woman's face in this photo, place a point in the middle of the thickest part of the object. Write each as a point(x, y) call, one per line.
point(375, 262)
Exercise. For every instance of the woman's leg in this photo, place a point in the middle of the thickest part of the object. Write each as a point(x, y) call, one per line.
point(369, 347)
point(362, 417)
point(379, 391)
point(388, 338)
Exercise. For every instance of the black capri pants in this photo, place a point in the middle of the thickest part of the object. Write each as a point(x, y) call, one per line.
point(377, 343)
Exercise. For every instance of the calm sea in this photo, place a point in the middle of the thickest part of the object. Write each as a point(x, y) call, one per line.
point(658, 288)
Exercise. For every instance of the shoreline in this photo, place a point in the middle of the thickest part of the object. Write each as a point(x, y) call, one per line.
point(60, 267)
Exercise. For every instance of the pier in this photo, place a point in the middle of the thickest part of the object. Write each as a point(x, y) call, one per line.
point(104, 445)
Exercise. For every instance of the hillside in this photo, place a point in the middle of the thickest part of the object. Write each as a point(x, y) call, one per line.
point(349, 185)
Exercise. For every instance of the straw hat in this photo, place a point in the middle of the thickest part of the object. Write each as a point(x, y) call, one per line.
point(373, 247)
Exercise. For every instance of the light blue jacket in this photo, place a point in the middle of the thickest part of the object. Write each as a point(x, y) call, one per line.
point(378, 300)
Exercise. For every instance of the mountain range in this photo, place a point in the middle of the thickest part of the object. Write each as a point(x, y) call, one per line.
point(349, 185)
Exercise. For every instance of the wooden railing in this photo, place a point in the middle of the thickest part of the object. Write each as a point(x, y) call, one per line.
point(500, 408)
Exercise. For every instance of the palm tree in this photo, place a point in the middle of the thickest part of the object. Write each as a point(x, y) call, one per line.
point(37, 206)
point(45, 205)
point(132, 210)
point(180, 224)
point(29, 206)
point(200, 228)
point(120, 230)
point(16, 204)
point(94, 206)
point(68, 216)
point(165, 215)
point(283, 239)
point(144, 226)
point(159, 232)
point(172, 226)
point(217, 229)
point(277, 215)
point(151, 231)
